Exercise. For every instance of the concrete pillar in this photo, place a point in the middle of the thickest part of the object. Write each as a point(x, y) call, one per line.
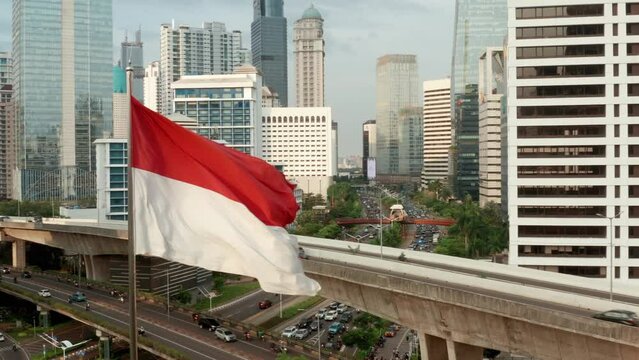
point(18, 251)
point(98, 267)
point(432, 347)
point(105, 347)
point(88, 266)
point(44, 319)
point(466, 352)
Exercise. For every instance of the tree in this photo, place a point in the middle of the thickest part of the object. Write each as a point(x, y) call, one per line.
point(361, 337)
point(290, 357)
point(330, 231)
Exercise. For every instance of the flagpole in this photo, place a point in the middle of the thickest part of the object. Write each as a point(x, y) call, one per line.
point(133, 327)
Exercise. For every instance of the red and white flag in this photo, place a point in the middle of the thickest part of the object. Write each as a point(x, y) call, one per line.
point(200, 203)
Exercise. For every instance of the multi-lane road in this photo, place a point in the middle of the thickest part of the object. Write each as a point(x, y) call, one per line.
point(177, 330)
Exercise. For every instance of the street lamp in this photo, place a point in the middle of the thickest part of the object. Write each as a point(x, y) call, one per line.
point(381, 229)
point(611, 249)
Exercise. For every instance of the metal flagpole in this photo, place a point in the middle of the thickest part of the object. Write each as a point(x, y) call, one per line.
point(133, 327)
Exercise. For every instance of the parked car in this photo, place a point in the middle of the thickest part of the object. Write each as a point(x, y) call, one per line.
point(321, 313)
point(330, 315)
point(44, 293)
point(390, 332)
point(336, 328)
point(315, 325)
point(333, 305)
point(346, 317)
point(77, 297)
point(6, 270)
point(1, 337)
point(341, 308)
point(225, 334)
point(289, 331)
point(305, 323)
point(264, 304)
point(301, 334)
point(208, 323)
point(619, 316)
point(26, 274)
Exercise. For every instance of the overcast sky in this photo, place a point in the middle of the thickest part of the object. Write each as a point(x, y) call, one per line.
point(356, 33)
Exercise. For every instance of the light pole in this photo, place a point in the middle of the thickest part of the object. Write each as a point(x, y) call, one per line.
point(280, 305)
point(34, 330)
point(611, 249)
point(381, 232)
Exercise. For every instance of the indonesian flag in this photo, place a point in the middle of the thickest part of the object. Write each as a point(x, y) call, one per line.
point(200, 203)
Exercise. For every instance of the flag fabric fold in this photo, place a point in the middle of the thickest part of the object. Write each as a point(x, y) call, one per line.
point(203, 204)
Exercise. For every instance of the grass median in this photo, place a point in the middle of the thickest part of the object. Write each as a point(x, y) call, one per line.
point(291, 311)
point(229, 293)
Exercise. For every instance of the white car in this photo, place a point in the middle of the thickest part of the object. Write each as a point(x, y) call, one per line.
point(320, 314)
point(289, 331)
point(341, 308)
point(225, 334)
point(44, 293)
point(1, 337)
point(331, 315)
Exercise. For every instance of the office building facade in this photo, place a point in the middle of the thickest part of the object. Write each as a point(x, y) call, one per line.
point(573, 137)
point(491, 90)
point(478, 25)
point(121, 104)
point(187, 50)
point(152, 86)
point(269, 45)
point(397, 90)
point(227, 108)
point(301, 141)
point(132, 54)
point(62, 57)
point(7, 152)
point(437, 131)
point(308, 44)
point(369, 142)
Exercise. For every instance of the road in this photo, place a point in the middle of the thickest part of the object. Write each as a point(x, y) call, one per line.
point(177, 331)
point(7, 352)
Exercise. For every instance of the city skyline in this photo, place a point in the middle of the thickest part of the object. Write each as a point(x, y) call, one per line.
point(352, 31)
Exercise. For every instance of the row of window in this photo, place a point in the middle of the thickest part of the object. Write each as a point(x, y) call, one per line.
point(524, 92)
point(540, 12)
point(536, 52)
point(527, 72)
point(559, 31)
point(561, 131)
point(560, 211)
point(561, 151)
point(562, 191)
point(293, 119)
point(561, 111)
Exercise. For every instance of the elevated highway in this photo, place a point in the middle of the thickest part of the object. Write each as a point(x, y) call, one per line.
point(459, 306)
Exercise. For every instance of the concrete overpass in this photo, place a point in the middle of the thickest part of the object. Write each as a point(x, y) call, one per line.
point(459, 306)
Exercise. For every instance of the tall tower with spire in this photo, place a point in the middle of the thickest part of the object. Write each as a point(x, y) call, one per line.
point(308, 41)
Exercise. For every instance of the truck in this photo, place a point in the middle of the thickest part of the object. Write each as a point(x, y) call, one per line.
point(435, 238)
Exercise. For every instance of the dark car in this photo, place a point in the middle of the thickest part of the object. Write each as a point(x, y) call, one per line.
point(208, 323)
point(314, 325)
point(333, 305)
point(619, 316)
point(26, 274)
point(6, 270)
point(264, 304)
point(305, 323)
point(77, 297)
point(346, 317)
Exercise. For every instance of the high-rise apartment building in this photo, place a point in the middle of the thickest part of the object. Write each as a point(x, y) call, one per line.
point(132, 54)
point(187, 50)
point(301, 141)
point(369, 141)
point(227, 108)
point(573, 137)
point(62, 57)
point(308, 42)
point(152, 86)
point(491, 90)
point(121, 104)
point(478, 25)
point(268, 45)
point(7, 152)
point(437, 130)
point(397, 90)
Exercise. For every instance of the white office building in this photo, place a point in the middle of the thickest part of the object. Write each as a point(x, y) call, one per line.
point(437, 130)
point(491, 90)
point(152, 86)
point(227, 108)
point(573, 137)
point(308, 44)
point(187, 50)
point(300, 140)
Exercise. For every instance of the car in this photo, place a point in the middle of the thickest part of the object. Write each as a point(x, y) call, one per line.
point(392, 330)
point(315, 325)
point(321, 313)
point(336, 328)
point(333, 305)
point(225, 334)
point(304, 323)
point(301, 334)
point(77, 297)
point(619, 316)
point(289, 331)
point(26, 274)
point(330, 315)
point(208, 323)
point(264, 304)
point(6, 270)
point(301, 253)
point(44, 293)
point(346, 317)
point(341, 308)
point(1, 337)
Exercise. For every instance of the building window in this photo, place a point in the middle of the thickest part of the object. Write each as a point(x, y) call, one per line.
point(561, 91)
point(525, 72)
point(559, 31)
point(561, 111)
point(561, 231)
point(563, 191)
point(559, 11)
point(535, 52)
point(564, 131)
point(632, 9)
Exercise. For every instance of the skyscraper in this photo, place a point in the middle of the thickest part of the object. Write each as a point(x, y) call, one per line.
point(7, 153)
point(308, 40)
point(132, 54)
point(268, 45)
point(152, 86)
point(62, 52)
point(478, 25)
point(397, 91)
point(437, 132)
point(369, 142)
point(186, 50)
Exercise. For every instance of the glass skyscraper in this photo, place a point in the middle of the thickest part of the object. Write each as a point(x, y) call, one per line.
point(397, 96)
point(132, 53)
point(63, 89)
point(268, 45)
point(478, 25)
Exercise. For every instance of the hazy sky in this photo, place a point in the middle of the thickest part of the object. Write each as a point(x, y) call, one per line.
point(356, 33)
